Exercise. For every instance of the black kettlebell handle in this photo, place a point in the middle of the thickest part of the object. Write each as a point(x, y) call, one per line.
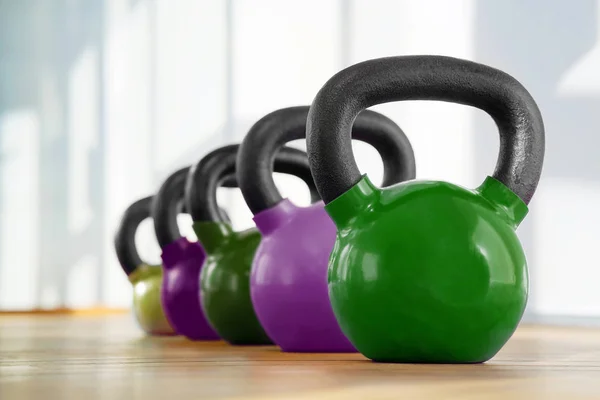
point(125, 247)
point(204, 177)
point(440, 78)
point(167, 204)
point(257, 151)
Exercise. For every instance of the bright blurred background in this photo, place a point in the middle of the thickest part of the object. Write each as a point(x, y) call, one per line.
point(101, 99)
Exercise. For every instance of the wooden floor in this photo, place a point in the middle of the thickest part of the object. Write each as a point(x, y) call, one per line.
point(106, 357)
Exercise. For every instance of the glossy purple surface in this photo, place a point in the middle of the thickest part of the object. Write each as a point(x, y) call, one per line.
point(288, 281)
point(182, 263)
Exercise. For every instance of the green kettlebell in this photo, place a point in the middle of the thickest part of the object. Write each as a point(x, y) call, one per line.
point(146, 279)
point(426, 271)
point(225, 277)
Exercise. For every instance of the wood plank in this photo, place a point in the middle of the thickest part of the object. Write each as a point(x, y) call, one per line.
point(107, 357)
point(95, 311)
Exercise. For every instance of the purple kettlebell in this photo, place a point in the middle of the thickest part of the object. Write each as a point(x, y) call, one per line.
point(182, 260)
point(288, 279)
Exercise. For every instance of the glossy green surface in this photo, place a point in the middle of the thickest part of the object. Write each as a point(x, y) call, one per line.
point(225, 282)
point(146, 281)
point(428, 272)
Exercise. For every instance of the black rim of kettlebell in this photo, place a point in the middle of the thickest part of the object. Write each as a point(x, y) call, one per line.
point(440, 78)
point(270, 133)
point(168, 203)
point(125, 247)
point(204, 177)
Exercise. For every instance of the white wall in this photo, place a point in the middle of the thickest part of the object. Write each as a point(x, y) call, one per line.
point(105, 98)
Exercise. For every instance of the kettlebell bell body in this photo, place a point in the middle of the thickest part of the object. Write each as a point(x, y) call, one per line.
point(182, 260)
point(145, 279)
point(426, 272)
point(288, 281)
point(224, 280)
point(446, 289)
point(224, 289)
point(288, 285)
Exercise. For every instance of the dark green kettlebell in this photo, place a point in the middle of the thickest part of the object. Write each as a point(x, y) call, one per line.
point(225, 277)
point(425, 271)
point(146, 279)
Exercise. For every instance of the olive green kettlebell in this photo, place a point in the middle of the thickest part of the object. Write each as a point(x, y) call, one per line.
point(146, 279)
